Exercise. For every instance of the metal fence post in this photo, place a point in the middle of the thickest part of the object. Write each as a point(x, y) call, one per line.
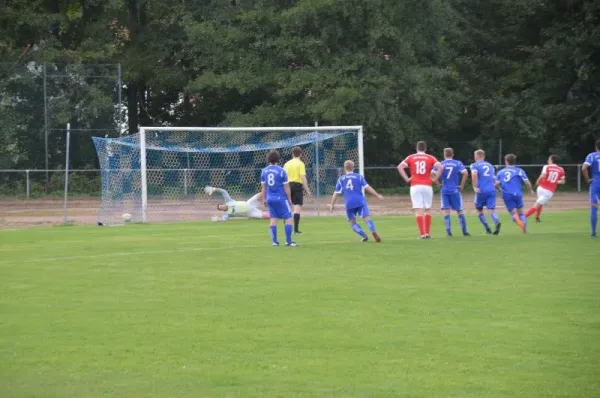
point(120, 98)
point(317, 179)
point(67, 173)
point(185, 182)
point(579, 178)
point(46, 127)
point(27, 184)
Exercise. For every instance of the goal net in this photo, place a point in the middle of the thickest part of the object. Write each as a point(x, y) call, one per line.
point(160, 173)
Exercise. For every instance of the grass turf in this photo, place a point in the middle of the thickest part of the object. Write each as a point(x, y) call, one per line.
point(212, 310)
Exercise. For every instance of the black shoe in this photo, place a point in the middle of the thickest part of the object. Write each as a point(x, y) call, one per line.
point(466, 234)
point(497, 230)
point(488, 231)
point(593, 235)
point(538, 220)
point(364, 239)
point(449, 235)
point(297, 233)
point(427, 236)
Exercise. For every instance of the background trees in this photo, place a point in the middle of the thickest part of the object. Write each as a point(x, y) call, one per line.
point(463, 73)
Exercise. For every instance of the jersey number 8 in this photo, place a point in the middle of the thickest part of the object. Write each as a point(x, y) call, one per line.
point(271, 179)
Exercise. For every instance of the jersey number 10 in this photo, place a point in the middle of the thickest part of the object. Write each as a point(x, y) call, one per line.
point(553, 177)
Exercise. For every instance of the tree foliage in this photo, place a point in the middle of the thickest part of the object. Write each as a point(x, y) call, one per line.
point(463, 73)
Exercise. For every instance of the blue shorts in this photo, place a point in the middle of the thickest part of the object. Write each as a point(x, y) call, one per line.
point(280, 210)
point(362, 211)
point(594, 194)
point(485, 199)
point(452, 201)
point(513, 202)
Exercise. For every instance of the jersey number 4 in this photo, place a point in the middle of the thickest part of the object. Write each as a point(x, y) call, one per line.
point(350, 186)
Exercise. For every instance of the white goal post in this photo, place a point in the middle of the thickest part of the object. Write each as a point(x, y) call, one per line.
point(159, 174)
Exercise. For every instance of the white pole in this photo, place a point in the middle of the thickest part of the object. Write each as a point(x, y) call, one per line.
point(67, 174)
point(317, 177)
point(143, 175)
point(309, 129)
point(27, 183)
point(185, 183)
point(361, 152)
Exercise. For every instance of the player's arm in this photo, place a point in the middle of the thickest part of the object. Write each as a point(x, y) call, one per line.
point(224, 217)
point(585, 172)
point(463, 181)
point(225, 194)
point(304, 180)
point(562, 180)
point(475, 180)
point(436, 175)
point(373, 192)
point(333, 200)
point(288, 192)
point(542, 175)
point(402, 170)
point(526, 181)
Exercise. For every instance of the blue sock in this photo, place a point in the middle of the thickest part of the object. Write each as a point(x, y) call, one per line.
point(274, 233)
point(288, 233)
point(463, 223)
point(524, 219)
point(371, 225)
point(495, 217)
point(356, 228)
point(594, 219)
point(447, 224)
point(484, 221)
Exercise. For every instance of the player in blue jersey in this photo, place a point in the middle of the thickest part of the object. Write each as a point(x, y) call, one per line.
point(510, 180)
point(277, 195)
point(453, 178)
point(351, 186)
point(484, 185)
point(592, 161)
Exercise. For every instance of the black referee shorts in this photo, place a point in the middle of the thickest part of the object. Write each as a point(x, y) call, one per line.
point(297, 190)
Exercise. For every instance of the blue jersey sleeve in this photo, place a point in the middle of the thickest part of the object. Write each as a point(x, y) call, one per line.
point(461, 167)
point(338, 186)
point(263, 179)
point(284, 177)
point(523, 175)
point(473, 167)
point(589, 159)
point(363, 182)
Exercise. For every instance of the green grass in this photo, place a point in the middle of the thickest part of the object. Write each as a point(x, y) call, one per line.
point(211, 310)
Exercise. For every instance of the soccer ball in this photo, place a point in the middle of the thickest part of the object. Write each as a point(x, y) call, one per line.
point(126, 217)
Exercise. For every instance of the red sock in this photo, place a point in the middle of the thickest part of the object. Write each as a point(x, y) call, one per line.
point(421, 225)
point(427, 223)
point(530, 212)
point(539, 212)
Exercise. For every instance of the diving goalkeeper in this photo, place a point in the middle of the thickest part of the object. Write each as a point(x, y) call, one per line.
point(237, 208)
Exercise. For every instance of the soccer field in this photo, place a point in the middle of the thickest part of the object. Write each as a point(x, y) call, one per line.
point(212, 310)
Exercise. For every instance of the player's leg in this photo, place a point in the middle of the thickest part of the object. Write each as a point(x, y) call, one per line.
point(417, 204)
point(457, 205)
point(366, 216)
point(543, 196)
point(491, 205)
point(289, 223)
point(351, 216)
point(512, 206)
point(298, 202)
point(274, 216)
point(480, 201)
point(445, 207)
point(257, 214)
point(428, 203)
point(594, 199)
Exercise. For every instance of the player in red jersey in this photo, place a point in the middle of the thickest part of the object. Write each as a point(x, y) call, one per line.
point(551, 176)
point(421, 180)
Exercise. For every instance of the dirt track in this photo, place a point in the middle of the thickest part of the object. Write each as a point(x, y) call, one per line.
point(16, 213)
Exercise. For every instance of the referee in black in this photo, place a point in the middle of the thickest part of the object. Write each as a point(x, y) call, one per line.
point(296, 172)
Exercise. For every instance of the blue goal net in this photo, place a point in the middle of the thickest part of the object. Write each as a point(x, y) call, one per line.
point(181, 163)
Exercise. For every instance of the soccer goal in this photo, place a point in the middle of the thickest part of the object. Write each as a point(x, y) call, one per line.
point(160, 173)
